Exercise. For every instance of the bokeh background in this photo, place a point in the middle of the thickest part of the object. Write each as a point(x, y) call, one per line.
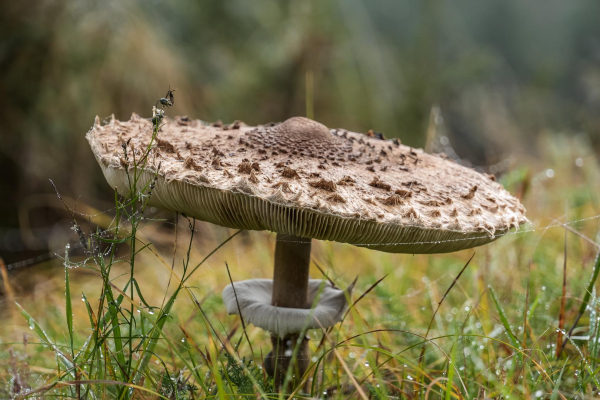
point(482, 81)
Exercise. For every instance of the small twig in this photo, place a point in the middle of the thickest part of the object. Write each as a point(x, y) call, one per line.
point(364, 294)
point(446, 294)
point(440, 304)
point(324, 274)
point(75, 223)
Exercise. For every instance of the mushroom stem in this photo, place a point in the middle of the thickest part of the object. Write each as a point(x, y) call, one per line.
point(290, 290)
point(290, 278)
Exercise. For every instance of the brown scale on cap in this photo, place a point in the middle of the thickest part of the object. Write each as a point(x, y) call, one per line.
point(378, 183)
point(475, 211)
point(191, 163)
point(435, 203)
point(166, 146)
point(393, 200)
point(289, 173)
point(336, 198)
point(409, 184)
point(246, 167)
point(471, 193)
point(435, 213)
point(216, 163)
point(284, 186)
point(346, 181)
point(403, 193)
point(253, 178)
point(325, 185)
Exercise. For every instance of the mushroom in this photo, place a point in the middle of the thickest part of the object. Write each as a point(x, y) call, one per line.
point(304, 181)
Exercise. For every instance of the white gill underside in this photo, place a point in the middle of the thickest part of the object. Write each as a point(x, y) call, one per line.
point(245, 211)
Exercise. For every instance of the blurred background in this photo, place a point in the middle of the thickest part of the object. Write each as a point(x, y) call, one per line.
point(482, 81)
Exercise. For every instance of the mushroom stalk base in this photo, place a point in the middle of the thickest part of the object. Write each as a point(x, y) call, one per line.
point(281, 358)
point(290, 290)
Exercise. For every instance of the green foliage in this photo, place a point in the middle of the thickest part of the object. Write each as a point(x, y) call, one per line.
point(177, 387)
point(236, 372)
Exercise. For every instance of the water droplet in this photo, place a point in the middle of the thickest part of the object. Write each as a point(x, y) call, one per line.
point(288, 353)
point(352, 355)
point(367, 364)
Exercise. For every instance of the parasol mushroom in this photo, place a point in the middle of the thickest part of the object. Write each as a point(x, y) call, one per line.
point(304, 181)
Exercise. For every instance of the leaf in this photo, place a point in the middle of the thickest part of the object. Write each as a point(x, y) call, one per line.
point(139, 292)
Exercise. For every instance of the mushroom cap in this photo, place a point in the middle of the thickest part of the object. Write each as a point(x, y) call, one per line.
point(301, 178)
point(254, 299)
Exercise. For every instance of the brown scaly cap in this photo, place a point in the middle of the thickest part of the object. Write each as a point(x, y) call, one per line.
point(301, 178)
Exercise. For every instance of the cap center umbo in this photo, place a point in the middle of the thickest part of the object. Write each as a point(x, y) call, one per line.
point(298, 134)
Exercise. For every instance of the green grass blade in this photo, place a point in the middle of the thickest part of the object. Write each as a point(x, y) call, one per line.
point(504, 320)
point(590, 288)
point(69, 310)
point(451, 364)
point(555, 392)
point(33, 325)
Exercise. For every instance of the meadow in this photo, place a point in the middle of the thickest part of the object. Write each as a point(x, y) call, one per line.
point(517, 318)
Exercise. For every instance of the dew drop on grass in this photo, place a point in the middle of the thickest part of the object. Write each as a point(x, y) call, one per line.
point(182, 340)
point(288, 353)
point(539, 393)
point(352, 355)
point(314, 359)
point(367, 364)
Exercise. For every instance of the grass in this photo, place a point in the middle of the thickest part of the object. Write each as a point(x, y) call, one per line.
point(482, 323)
